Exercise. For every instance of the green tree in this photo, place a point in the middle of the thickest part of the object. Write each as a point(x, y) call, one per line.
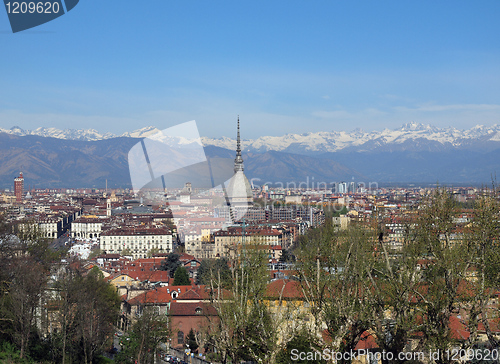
point(257, 338)
point(30, 240)
point(126, 252)
point(191, 341)
point(95, 253)
point(302, 342)
point(337, 213)
point(393, 279)
point(98, 307)
point(210, 270)
point(181, 277)
point(82, 309)
point(152, 252)
point(171, 263)
point(203, 271)
point(287, 256)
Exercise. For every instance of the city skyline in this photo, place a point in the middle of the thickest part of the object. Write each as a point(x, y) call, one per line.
point(244, 181)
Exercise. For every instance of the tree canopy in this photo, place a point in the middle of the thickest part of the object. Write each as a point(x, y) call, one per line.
point(171, 263)
point(181, 277)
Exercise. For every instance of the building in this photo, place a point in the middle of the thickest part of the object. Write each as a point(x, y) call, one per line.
point(47, 227)
point(341, 221)
point(342, 187)
point(293, 199)
point(228, 241)
point(138, 241)
point(239, 191)
point(50, 227)
point(19, 187)
point(87, 228)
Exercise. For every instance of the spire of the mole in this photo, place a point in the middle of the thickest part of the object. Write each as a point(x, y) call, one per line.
point(238, 162)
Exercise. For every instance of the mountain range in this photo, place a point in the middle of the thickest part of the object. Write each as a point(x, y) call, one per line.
point(414, 153)
point(409, 137)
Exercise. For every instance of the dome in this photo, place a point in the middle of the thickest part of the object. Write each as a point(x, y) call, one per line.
point(239, 190)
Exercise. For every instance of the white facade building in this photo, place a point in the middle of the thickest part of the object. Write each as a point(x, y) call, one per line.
point(86, 228)
point(138, 241)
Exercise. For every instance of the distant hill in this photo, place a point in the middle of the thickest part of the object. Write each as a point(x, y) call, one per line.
point(413, 153)
point(423, 167)
point(408, 137)
point(53, 162)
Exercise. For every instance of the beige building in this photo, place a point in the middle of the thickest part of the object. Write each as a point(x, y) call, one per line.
point(48, 227)
point(341, 221)
point(230, 239)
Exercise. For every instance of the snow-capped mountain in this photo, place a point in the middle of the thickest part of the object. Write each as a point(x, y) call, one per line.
point(407, 137)
point(79, 134)
point(410, 136)
point(68, 134)
point(413, 153)
point(142, 133)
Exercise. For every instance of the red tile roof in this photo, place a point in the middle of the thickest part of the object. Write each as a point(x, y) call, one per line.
point(144, 274)
point(284, 288)
point(158, 295)
point(190, 295)
point(494, 326)
point(202, 292)
point(184, 257)
point(366, 341)
point(192, 309)
point(156, 261)
point(458, 330)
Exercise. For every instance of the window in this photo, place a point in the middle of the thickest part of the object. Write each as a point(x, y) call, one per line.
point(138, 313)
point(180, 338)
point(198, 310)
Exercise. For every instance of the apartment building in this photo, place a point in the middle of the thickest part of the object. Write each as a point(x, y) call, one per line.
point(138, 241)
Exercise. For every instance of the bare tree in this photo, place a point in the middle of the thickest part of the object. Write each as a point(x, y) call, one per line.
point(334, 267)
point(88, 307)
point(21, 304)
point(484, 274)
point(245, 328)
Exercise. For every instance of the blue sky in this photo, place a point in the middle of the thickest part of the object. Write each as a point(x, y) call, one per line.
point(283, 66)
